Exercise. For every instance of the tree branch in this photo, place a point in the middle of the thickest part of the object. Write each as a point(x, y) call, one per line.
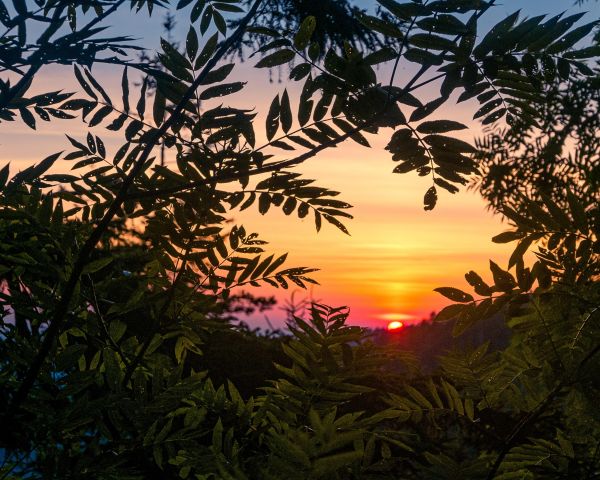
point(62, 307)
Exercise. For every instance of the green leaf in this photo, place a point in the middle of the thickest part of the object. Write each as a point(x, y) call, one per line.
point(97, 265)
point(379, 25)
point(450, 312)
point(331, 464)
point(307, 28)
point(455, 294)
point(405, 11)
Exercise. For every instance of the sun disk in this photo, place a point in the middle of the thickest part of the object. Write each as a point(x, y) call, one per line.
point(395, 325)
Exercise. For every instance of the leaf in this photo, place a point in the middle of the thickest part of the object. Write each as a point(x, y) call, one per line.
point(275, 265)
point(285, 114)
point(455, 294)
point(125, 89)
point(347, 127)
point(424, 111)
point(141, 105)
point(423, 57)
point(405, 11)
point(84, 83)
point(191, 43)
point(379, 25)
point(506, 237)
point(273, 118)
point(334, 221)
point(222, 90)
point(97, 86)
point(278, 58)
point(4, 172)
point(100, 115)
point(491, 38)
point(218, 75)
point(97, 265)
point(577, 211)
point(27, 117)
point(478, 284)
point(207, 52)
point(449, 143)
point(382, 55)
point(502, 279)
point(264, 202)
point(518, 253)
point(445, 185)
point(440, 126)
point(44, 165)
point(430, 198)
point(307, 28)
point(450, 312)
point(570, 39)
point(158, 107)
point(326, 466)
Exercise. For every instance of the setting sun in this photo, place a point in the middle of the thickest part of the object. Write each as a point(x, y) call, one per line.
point(395, 325)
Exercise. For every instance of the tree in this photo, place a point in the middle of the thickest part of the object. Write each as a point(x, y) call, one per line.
point(97, 372)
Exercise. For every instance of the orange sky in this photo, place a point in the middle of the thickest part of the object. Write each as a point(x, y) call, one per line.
point(397, 253)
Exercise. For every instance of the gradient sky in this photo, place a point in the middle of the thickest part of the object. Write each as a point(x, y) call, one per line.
point(396, 254)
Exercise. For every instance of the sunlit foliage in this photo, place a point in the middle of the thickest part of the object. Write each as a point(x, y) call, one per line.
point(117, 272)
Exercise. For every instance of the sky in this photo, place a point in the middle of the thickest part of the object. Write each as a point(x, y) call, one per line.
point(396, 253)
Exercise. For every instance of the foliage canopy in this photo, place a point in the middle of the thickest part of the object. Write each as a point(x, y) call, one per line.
point(116, 273)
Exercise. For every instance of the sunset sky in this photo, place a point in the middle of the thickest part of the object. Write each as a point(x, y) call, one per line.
point(397, 253)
